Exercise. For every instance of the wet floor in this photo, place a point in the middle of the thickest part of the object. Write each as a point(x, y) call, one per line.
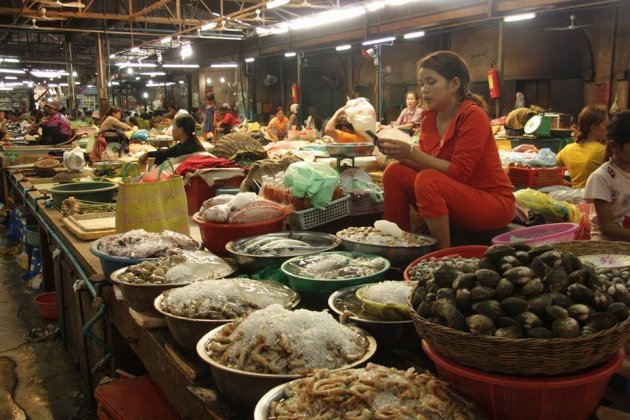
point(38, 379)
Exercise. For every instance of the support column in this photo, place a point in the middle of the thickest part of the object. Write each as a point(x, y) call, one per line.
point(379, 82)
point(101, 77)
point(299, 83)
point(500, 68)
point(72, 100)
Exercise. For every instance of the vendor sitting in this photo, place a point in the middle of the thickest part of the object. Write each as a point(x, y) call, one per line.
point(587, 153)
point(278, 127)
point(55, 128)
point(227, 120)
point(184, 133)
point(340, 129)
point(112, 120)
point(455, 176)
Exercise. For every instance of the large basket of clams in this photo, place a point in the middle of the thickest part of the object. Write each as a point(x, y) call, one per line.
point(525, 310)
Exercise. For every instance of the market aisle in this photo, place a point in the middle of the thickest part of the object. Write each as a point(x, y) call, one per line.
point(38, 380)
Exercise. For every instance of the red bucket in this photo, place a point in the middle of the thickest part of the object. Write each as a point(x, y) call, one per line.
point(216, 235)
point(466, 251)
point(570, 397)
point(47, 305)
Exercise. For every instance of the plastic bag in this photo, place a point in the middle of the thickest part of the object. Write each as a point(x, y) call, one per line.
point(360, 113)
point(554, 211)
point(74, 159)
point(544, 157)
point(199, 265)
point(140, 135)
point(158, 173)
point(562, 193)
point(315, 180)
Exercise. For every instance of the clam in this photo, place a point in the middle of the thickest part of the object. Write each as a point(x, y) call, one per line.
point(579, 311)
point(537, 250)
point(509, 332)
point(514, 305)
point(446, 293)
point(552, 258)
point(504, 289)
point(419, 295)
point(523, 257)
point(572, 261)
point(520, 246)
point(602, 321)
point(533, 287)
point(506, 321)
point(490, 308)
point(464, 300)
point(488, 264)
point(496, 252)
point(479, 293)
point(539, 267)
point(443, 308)
point(539, 332)
point(529, 320)
point(488, 278)
point(601, 300)
point(556, 280)
point(445, 276)
point(619, 293)
point(578, 276)
point(519, 275)
point(424, 309)
point(619, 309)
point(478, 323)
point(456, 321)
point(561, 299)
point(430, 297)
point(538, 304)
point(507, 262)
point(566, 328)
point(580, 293)
point(465, 281)
point(556, 312)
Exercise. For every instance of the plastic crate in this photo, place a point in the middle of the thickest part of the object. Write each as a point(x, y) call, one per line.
point(308, 219)
point(362, 203)
point(536, 177)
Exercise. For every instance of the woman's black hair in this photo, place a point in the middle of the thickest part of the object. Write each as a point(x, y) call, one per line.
point(450, 65)
point(113, 109)
point(618, 129)
point(589, 116)
point(187, 123)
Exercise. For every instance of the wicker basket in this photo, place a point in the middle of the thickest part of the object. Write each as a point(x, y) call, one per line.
point(531, 356)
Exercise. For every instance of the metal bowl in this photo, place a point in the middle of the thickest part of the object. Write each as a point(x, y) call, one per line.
point(161, 141)
point(261, 412)
point(388, 334)
point(248, 387)
point(350, 149)
point(252, 263)
point(188, 331)
point(398, 256)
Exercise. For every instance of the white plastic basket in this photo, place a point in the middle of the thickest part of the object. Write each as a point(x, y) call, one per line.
point(307, 219)
point(362, 203)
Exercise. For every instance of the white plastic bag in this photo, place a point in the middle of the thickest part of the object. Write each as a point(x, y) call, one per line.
point(360, 113)
point(73, 159)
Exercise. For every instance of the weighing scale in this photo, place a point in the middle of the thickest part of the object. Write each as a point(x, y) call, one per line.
point(538, 125)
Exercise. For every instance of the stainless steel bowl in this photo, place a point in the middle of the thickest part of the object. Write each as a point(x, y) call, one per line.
point(252, 263)
point(248, 387)
point(141, 297)
point(188, 331)
point(161, 141)
point(398, 256)
point(261, 412)
point(350, 149)
point(388, 334)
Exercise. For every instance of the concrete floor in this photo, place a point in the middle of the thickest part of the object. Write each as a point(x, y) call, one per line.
point(38, 380)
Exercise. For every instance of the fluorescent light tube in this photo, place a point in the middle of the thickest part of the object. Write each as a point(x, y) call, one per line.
point(224, 66)
point(411, 35)
point(129, 64)
point(166, 40)
point(153, 73)
point(11, 60)
point(343, 47)
point(276, 3)
point(250, 59)
point(290, 54)
point(209, 26)
point(379, 40)
point(12, 71)
point(516, 18)
point(135, 50)
point(10, 77)
point(181, 66)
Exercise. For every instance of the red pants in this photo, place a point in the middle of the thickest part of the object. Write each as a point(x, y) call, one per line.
point(435, 194)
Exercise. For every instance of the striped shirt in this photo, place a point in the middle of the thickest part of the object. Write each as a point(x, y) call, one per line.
point(407, 117)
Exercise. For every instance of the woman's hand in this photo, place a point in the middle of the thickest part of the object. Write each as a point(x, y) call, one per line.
point(395, 149)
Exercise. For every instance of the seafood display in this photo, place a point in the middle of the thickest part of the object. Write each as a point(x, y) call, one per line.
point(273, 246)
point(187, 267)
point(373, 236)
point(243, 207)
point(277, 341)
point(520, 291)
point(375, 392)
point(386, 300)
point(225, 299)
point(334, 265)
point(139, 243)
point(425, 269)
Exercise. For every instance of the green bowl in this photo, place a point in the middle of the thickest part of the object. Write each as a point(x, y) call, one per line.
point(101, 192)
point(385, 311)
point(316, 286)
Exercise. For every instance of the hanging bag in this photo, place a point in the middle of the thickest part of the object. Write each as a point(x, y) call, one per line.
point(152, 206)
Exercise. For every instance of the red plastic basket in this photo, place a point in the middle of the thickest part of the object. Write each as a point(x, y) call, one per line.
point(198, 190)
point(467, 251)
point(216, 235)
point(570, 397)
point(47, 305)
point(536, 177)
point(550, 233)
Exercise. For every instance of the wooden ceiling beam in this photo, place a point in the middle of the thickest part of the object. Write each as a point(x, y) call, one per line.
point(150, 8)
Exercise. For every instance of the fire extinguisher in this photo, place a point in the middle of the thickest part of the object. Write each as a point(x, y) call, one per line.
point(493, 83)
point(295, 93)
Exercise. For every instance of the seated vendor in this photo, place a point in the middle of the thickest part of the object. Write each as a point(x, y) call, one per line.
point(184, 133)
point(341, 130)
point(454, 178)
point(112, 120)
point(55, 128)
point(587, 153)
point(278, 127)
point(227, 120)
point(411, 116)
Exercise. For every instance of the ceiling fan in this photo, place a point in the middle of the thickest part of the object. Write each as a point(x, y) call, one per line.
point(58, 3)
point(572, 26)
point(41, 15)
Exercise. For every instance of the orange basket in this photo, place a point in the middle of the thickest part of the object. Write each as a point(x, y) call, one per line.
point(536, 177)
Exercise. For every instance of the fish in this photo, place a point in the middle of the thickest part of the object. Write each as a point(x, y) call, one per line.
point(256, 214)
point(219, 199)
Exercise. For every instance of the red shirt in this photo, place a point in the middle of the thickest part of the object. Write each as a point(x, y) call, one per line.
point(230, 120)
point(469, 145)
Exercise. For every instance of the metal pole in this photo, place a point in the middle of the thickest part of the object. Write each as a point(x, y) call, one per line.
point(72, 103)
point(299, 83)
point(101, 77)
point(500, 67)
point(379, 90)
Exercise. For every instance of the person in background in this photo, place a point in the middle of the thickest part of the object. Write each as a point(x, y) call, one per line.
point(587, 153)
point(208, 123)
point(55, 128)
point(341, 130)
point(169, 130)
point(608, 187)
point(3, 126)
point(454, 178)
point(316, 124)
point(411, 116)
point(96, 118)
point(112, 120)
point(187, 142)
point(293, 117)
point(171, 111)
point(227, 120)
point(278, 127)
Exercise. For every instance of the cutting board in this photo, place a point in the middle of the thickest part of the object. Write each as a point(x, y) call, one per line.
point(91, 225)
point(42, 184)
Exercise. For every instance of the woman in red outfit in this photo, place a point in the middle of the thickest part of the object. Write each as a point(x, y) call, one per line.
point(454, 177)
